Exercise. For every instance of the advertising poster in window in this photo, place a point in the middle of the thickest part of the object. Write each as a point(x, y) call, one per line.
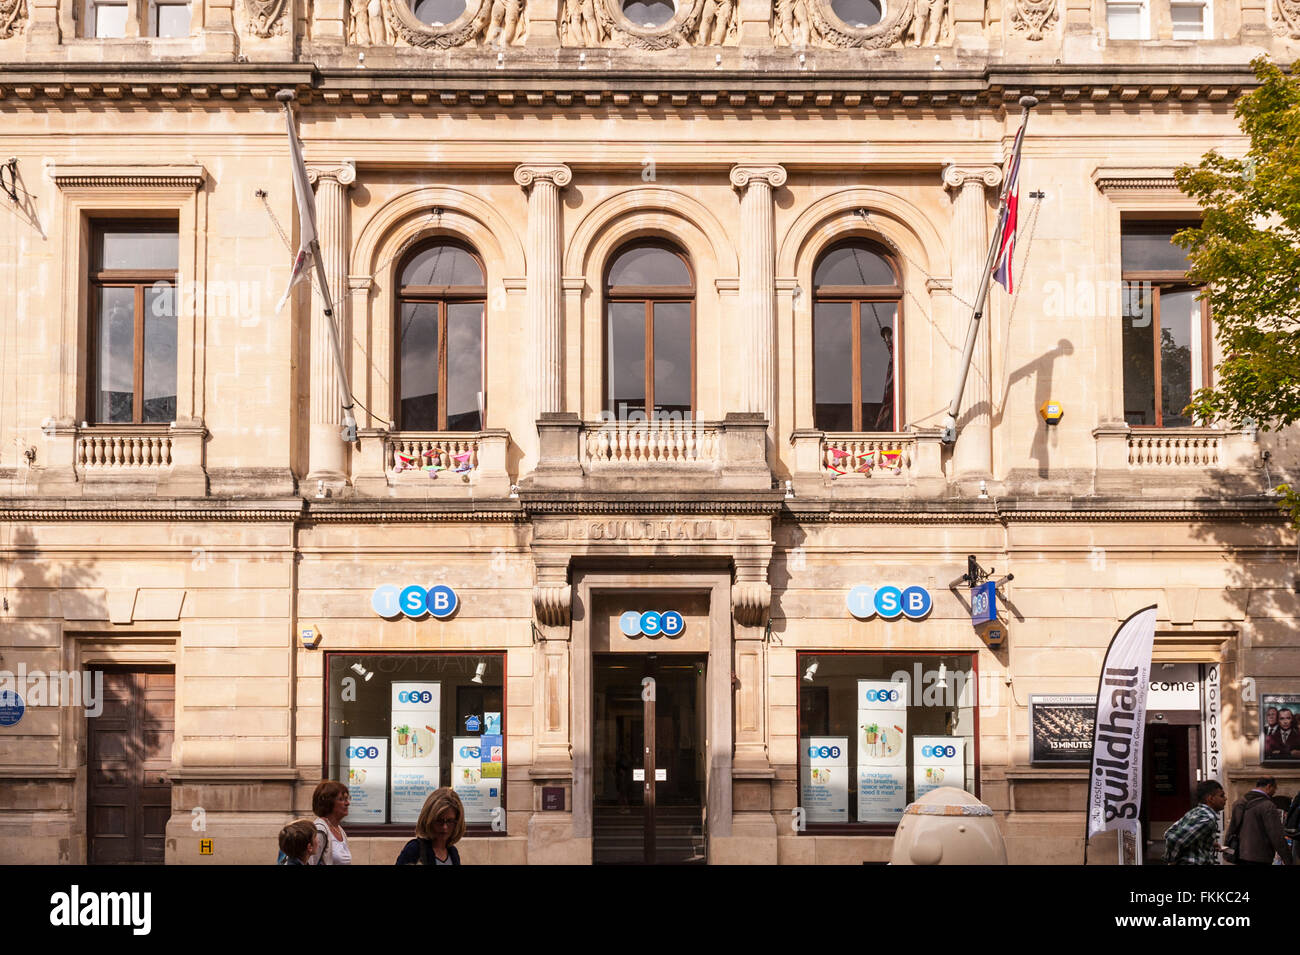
point(937, 761)
point(1060, 728)
point(1280, 728)
point(415, 710)
point(363, 768)
point(479, 796)
point(882, 750)
point(824, 778)
point(492, 754)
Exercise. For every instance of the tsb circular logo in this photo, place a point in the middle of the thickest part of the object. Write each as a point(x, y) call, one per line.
point(414, 601)
point(415, 696)
point(865, 602)
point(882, 696)
point(469, 752)
point(651, 623)
point(824, 752)
point(362, 752)
point(939, 752)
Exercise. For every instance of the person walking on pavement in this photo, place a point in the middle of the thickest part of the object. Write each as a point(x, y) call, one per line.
point(1257, 825)
point(1194, 839)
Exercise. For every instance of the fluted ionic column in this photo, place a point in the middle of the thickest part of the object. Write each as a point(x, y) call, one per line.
point(543, 183)
point(326, 450)
point(973, 454)
point(757, 286)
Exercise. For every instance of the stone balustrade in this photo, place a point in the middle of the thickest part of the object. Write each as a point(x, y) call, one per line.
point(650, 444)
point(140, 459)
point(428, 464)
point(851, 465)
point(1195, 459)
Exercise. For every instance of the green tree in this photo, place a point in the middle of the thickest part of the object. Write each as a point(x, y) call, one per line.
point(1246, 253)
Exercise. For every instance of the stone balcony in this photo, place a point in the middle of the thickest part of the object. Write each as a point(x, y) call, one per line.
point(651, 455)
point(122, 459)
point(1161, 460)
point(432, 464)
point(901, 464)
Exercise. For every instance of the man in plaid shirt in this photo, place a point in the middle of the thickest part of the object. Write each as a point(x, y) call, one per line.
point(1194, 839)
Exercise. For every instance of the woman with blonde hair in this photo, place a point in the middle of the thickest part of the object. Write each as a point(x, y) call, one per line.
point(439, 828)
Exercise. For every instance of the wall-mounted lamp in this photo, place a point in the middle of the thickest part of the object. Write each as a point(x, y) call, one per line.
point(811, 672)
point(478, 672)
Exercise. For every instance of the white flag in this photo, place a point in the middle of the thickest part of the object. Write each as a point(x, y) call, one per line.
point(306, 213)
point(1115, 782)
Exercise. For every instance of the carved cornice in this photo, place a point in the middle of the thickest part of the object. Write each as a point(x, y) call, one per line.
point(958, 174)
point(82, 512)
point(1010, 512)
point(1146, 178)
point(529, 173)
point(527, 88)
point(637, 506)
point(126, 176)
point(743, 175)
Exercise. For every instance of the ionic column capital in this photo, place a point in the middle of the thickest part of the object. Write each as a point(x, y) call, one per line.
point(770, 173)
point(529, 173)
point(959, 174)
point(345, 174)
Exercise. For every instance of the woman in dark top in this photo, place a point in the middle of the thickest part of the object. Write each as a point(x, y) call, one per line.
point(439, 828)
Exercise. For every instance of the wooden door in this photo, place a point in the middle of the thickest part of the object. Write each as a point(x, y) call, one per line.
point(129, 754)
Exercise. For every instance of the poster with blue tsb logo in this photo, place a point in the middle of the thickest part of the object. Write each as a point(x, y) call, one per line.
point(363, 766)
point(415, 729)
point(882, 750)
point(937, 761)
point(824, 778)
point(479, 795)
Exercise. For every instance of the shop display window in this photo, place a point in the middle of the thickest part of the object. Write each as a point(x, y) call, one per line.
point(877, 731)
point(399, 725)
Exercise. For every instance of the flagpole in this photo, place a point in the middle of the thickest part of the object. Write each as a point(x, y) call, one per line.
point(349, 432)
point(977, 309)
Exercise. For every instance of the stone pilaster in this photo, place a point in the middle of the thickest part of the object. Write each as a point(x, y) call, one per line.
point(757, 286)
point(545, 313)
point(973, 454)
point(327, 454)
point(552, 602)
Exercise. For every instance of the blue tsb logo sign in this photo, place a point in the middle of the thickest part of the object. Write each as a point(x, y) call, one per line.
point(824, 752)
point(414, 601)
point(882, 696)
point(652, 624)
point(362, 752)
point(415, 696)
point(889, 602)
point(469, 752)
point(939, 752)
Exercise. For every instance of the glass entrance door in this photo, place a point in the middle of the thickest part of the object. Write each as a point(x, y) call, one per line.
point(649, 765)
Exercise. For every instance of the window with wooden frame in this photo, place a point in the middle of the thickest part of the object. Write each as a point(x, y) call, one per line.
point(857, 300)
point(649, 334)
point(1165, 327)
point(440, 310)
point(133, 322)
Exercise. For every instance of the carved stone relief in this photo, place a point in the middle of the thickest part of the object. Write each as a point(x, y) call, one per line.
point(265, 18)
point(1032, 17)
point(366, 23)
point(1287, 21)
point(13, 13)
point(590, 23)
point(800, 23)
point(484, 23)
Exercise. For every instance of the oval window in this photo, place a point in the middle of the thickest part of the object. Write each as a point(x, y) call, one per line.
point(649, 13)
point(437, 13)
point(859, 13)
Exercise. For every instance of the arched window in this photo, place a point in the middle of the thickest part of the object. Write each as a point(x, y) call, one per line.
point(440, 305)
point(856, 300)
point(649, 334)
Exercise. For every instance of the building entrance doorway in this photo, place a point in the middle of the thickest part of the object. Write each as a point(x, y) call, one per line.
point(649, 764)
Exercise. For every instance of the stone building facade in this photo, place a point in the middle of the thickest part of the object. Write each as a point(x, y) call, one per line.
point(589, 260)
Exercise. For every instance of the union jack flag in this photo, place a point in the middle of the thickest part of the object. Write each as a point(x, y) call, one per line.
point(1007, 217)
